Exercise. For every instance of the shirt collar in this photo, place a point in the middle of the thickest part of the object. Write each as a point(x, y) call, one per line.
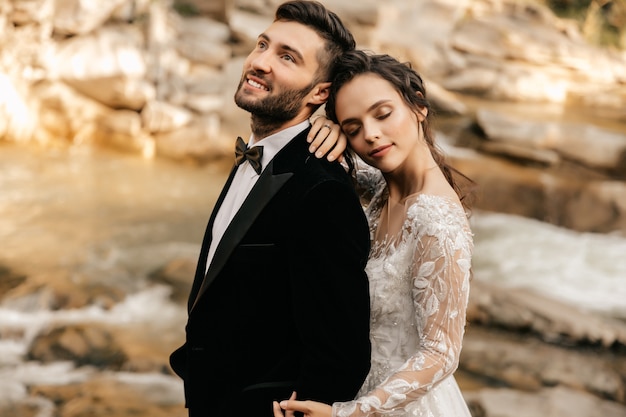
point(274, 143)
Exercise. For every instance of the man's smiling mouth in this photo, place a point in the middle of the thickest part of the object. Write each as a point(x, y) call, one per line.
point(257, 85)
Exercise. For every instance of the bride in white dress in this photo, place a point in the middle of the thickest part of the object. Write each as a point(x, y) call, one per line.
point(420, 263)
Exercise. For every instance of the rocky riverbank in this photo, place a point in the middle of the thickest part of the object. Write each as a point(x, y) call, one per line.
point(94, 277)
point(523, 353)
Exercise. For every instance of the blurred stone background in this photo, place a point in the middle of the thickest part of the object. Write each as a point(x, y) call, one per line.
point(538, 98)
point(531, 103)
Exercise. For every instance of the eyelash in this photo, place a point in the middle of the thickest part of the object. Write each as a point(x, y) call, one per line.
point(352, 133)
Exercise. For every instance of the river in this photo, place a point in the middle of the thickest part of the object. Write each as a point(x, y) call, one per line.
point(109, 217)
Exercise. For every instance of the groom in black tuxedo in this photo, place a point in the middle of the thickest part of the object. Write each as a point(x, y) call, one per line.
point(280, 299)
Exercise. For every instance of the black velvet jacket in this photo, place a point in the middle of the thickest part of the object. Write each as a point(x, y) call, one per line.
point(285, 304)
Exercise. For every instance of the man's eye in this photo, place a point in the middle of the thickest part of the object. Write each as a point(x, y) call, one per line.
point(288, 58)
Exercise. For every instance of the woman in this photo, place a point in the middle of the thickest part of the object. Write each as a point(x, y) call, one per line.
point(419, 265)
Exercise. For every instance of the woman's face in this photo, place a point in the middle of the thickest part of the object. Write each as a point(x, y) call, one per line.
point(380, 127)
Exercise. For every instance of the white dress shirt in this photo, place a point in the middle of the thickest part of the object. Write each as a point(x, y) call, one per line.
point(244, 180)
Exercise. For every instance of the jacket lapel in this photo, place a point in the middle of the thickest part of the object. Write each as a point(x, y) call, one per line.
point(263, 191)
point(273, 177)
point(208, 237)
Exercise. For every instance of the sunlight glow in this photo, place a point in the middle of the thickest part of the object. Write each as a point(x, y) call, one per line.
point(16, 120)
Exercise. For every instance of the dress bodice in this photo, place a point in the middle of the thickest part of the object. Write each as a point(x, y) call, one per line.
point(419, 286)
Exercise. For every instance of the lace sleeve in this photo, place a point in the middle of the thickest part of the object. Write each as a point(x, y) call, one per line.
point(440, 277)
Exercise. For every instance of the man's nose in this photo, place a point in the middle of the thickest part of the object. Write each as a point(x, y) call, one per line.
point(261, 62)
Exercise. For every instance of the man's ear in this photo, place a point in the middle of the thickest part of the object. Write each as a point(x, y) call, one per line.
point(320, 93)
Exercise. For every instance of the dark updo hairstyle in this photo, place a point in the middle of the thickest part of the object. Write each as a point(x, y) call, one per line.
point(408, 83)
point(338, 39)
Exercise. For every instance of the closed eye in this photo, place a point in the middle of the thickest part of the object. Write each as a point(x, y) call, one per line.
point(351, 131)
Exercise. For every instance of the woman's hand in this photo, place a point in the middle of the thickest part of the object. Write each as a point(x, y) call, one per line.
point(308, 408)
point(325, 138)
point(278, 412)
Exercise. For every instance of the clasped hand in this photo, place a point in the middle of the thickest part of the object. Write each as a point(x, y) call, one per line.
point(308, 408)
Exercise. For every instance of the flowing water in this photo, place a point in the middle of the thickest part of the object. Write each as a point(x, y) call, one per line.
point(113, 218)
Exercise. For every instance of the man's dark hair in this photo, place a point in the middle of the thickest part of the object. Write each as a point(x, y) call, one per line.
point(326, 24)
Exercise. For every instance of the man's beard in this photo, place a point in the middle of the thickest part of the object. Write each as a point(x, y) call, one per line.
point(274, 109)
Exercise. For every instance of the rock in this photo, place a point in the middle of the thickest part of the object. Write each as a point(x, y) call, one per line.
point(91, 345)
point(129, 12)
point(199, 140)
point(205, 103)
point(567, 139)
point(246, 27)
point(202, 40)
point(474, 80)
point(527, 55)
point(202, 79)
point(606, 101)
point(397, 30)
point(596, 206)
point(28, 12)
point(120, 129)
point(608, 151)
point(57, 290)
point(117, 92)
point(112, 68)
point(111, 51)
point(548, 402)
point(108, 65)
point(159, 116)
point(65, 113)
point(554, 321)
point(539, 192)
point(219, 10)
point(522, 153)
point(109, 396)
point(363, 18)
point(78, 17)
point(9, 279)
point(30, 408)
point(146, 347)
point(443, 100)
point(178, 274)
point(525, 362)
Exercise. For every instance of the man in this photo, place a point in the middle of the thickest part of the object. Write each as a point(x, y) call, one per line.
point(280, 300)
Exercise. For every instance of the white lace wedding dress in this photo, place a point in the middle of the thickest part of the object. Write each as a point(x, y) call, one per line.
point(419, 286)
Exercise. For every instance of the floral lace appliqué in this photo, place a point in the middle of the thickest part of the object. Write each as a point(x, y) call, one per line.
point(419, 287)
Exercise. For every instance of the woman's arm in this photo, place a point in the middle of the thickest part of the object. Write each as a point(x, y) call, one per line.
point(440, 292)
point(440, 284)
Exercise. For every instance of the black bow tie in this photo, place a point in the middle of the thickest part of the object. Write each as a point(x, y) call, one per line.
point(252, 155)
